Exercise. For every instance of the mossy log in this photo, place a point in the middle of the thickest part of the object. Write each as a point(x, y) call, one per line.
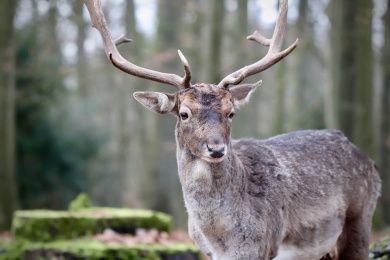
point(95, 250)
point(47, 225)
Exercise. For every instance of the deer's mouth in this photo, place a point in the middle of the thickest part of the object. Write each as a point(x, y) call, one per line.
point(213, 160)
point(214, 154)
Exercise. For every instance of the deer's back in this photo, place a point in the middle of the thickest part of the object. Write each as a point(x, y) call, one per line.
point(309, 174)
point(311, 181)
point(316, 161)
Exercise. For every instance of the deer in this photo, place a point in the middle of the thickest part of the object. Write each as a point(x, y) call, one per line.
point(308, 194)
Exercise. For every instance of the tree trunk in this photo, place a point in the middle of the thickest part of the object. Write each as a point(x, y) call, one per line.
point(363, 56)
point(385, 120)
point(352, 70)
point(215, 41)
point(242, 33)
point(8, 190)
point(81, 58)
point(130, 152)
point(335, 13)
point(304, 70)
point(278, 121)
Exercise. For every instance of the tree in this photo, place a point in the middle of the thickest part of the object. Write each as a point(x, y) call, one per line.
point(130, 152)
point(363, 118)
point(215, 41)
point(165, 174)
point(241, 33)
point(52, 149)
point(81, 57)
point(385, 120)
point(352, 70)
point(8, 190)
point(279, 119)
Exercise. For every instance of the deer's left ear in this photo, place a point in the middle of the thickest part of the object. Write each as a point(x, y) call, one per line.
point(155, 101)
point(242, 93)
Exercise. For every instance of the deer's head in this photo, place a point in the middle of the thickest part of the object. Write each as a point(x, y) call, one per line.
point(204, 111)
point(204, 115)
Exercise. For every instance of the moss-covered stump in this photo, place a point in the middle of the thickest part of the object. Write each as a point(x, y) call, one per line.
point(47, 225)
point(95, 250)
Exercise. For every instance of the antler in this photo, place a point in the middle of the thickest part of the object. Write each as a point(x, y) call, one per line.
point(273, 55)
point(99, 22)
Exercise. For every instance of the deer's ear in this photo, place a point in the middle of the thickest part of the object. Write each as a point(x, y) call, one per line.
point(242, 93)
point(155, 101)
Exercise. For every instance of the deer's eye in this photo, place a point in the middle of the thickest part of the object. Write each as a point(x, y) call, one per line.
point(184, 115)
point(231, 115)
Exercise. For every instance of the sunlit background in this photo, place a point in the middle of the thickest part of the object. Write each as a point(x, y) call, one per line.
point(69, 123)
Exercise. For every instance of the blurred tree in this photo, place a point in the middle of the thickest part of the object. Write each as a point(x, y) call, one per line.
point(241, 33)
point(279, 110)
point(363, 118)
point(130, 152)
point(81, 67)
point(192, 34)
point(307, 108)
point(165, 191)
point(52, 150)
point(239, 48)
point(303, 56)
point(8, 190)
point(385, 119)
point(217, 14)
point(352, 70)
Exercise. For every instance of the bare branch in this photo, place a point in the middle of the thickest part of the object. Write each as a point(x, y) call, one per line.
point(273, 55)
point(99, 22)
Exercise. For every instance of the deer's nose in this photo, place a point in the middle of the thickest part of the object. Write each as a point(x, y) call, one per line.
point(216, 150)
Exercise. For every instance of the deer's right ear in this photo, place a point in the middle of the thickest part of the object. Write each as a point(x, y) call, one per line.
point(155, 101)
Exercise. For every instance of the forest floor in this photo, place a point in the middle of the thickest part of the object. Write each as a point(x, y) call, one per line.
point(378, 235)
point(182, 236)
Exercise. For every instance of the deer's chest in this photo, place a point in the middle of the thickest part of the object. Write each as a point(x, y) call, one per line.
point(214, 209)
point(207, 198)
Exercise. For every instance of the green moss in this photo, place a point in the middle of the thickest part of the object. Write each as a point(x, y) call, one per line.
point(11, 250)
point(82, 201)
point(47, 225)
point(95, 250)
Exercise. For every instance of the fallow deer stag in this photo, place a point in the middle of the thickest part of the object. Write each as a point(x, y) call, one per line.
point(302, 195)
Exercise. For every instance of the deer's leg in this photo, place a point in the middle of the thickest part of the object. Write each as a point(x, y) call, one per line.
point(353, 243)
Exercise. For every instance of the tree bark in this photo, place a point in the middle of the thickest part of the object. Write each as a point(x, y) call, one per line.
point(130, 152)
point(335, 13)
point(242, 33)
point(304, 70)
point(279, 119)
point(8, 188)
point(385, 119)
point(352, 70)
point(81, 57)
point(215, 41)
point(363, 56)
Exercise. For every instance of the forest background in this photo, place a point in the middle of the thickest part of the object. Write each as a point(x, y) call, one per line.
point(69, 124)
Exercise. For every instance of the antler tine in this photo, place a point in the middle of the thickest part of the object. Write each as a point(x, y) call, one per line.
point(187, 70)
point(122, 39)
point(259, 38)
point(273, 55)
point(99, 22)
